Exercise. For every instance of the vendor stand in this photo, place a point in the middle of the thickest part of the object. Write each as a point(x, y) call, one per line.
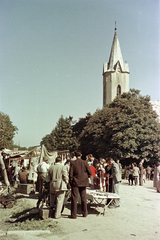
point(97, 199)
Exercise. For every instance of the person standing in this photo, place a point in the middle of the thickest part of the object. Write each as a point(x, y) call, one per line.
point(102, 174)
point(93, 176)
point(135, 173)
point(156, 179)
point(4, 172)
point(42, 170)
point(93, 160)
point(120, 167)
point(16, 173)
point(141, 172)
point(78, 177)
point(23, 176)
point(148, 172)
point(115, 181)
point(130, 173)
point(67, 165)
point(144, 175)
point(73, 157)
point(108, 170)
point(58, 177)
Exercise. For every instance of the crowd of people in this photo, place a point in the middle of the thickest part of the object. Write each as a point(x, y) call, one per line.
point(71, 172)
point(139, 174)
point(77, 174)
point(17, 173)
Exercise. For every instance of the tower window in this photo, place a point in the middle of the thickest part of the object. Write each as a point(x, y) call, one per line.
point(118, 90)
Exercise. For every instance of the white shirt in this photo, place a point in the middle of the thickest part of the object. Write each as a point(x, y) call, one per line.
point(43, 167)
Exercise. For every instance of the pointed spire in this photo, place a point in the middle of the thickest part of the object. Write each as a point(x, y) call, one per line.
point(115, 54)
point(115, 27)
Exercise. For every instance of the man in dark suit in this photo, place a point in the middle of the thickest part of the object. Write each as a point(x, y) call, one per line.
point(78, 177)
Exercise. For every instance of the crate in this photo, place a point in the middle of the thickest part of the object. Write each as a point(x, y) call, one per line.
point(46, 213)
point(26, 188)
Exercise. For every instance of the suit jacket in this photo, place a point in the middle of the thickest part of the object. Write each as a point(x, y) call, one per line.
point(58, 177)
point(115, 173)
point(79, 173)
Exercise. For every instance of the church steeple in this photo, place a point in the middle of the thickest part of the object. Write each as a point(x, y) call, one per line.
point(115, 73)
point(115, 54)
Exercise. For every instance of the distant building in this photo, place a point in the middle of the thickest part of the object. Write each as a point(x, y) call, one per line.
point(115, 74)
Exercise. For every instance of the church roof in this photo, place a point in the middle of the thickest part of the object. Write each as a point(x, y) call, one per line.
point(116, 56)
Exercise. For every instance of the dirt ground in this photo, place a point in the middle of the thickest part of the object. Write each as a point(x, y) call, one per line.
point(137, 218)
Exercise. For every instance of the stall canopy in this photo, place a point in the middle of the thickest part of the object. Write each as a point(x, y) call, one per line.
point(50, 156)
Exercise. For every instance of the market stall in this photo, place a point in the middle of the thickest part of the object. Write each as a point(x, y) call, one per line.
point(99, 199)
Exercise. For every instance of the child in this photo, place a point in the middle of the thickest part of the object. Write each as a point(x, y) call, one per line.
point(101, 173)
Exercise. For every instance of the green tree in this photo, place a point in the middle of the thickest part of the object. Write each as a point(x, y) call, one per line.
point(31, 148)
point(49, 142)
point(80, 125)
point(7, 131)
point(125, 129)
point(12, 146)
point(62, 136)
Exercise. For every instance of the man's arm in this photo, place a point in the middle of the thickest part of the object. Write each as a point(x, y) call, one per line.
point(115, 170)
point(49, 174)
point(65, 175)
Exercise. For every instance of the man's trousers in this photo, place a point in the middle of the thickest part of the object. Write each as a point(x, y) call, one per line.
point(42, 178)
point(115, 188)
point(74, 199)
point(141, 179)
point(58, 198)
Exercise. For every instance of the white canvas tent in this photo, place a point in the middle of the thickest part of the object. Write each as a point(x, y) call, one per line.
point(50, 156)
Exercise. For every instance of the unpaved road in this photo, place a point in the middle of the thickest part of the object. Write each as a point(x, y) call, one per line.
point(137, 218)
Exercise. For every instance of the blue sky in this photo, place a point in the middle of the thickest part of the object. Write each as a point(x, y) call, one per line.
point(52, 54)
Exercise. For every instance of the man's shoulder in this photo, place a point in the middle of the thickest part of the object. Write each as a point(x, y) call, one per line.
point(83, 162)
point(73, 162)
point(78, 162)
point(115, 167)
point(115, 164)
point(53, 167)
point(95, 159)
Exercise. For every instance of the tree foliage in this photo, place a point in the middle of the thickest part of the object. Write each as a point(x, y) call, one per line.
point(80, 125)
point(62, 136)
point(48, 142)
point(7, 131)
point(13, 146)
point(125, 129)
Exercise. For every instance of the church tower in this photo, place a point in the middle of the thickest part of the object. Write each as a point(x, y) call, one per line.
point(115, 74)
